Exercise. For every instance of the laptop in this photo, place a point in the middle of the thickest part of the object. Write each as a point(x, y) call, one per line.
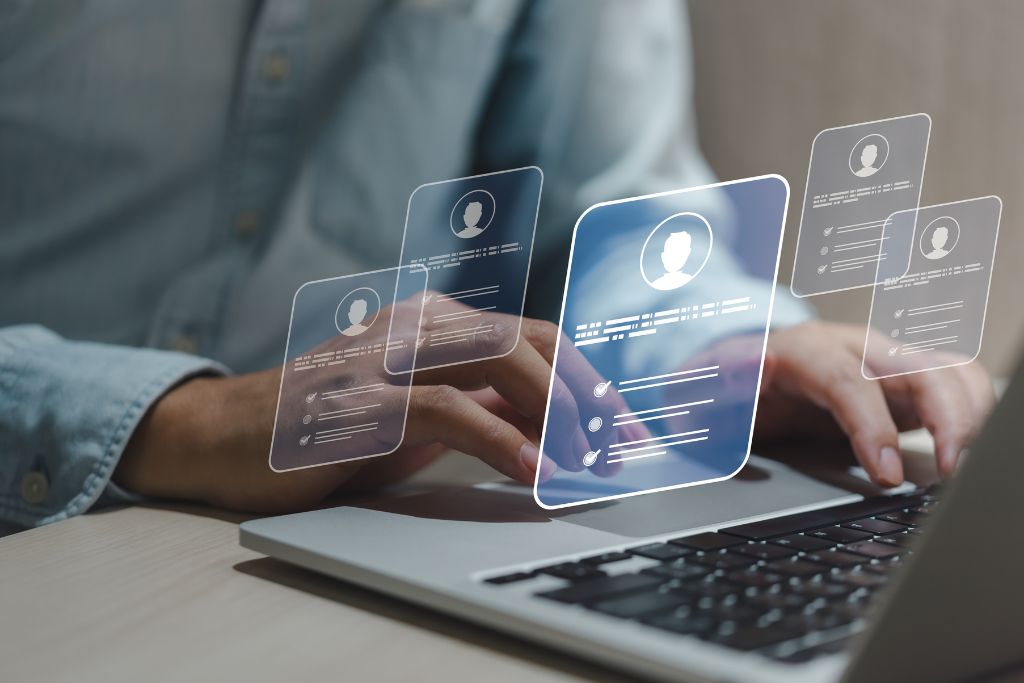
point(779, 574)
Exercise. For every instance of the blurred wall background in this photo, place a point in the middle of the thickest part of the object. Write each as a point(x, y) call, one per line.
point(771, 75)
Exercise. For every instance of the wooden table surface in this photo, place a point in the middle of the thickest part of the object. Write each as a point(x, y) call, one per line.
point(161, 593)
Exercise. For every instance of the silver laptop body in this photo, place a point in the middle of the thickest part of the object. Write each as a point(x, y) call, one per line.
point(952, 610)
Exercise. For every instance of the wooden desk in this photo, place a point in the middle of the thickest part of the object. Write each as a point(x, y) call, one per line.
point(166, 594)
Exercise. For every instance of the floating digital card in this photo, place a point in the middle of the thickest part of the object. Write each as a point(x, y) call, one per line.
point(656, 376)
point(933, 316)
point(337, 401)
point(475, 236)
point(858, 176)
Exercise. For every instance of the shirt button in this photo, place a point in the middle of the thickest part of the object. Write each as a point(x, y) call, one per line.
point(246, 223)
point(34, 488)
point(276, 67)
point(185, 343)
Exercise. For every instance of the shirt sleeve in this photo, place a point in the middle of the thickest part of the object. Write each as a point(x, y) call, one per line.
point(67, 410)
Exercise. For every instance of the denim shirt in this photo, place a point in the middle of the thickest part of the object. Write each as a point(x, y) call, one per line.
point(170, 173)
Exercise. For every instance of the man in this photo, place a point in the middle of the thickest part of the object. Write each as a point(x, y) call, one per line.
point(174, 171)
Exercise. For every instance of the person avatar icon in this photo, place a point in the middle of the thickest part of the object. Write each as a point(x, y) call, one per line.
point(868, 157)
point(674, 255)
point(940, 237)
point(357, 311)
point(356, 315)
point(472, 214)
point(471, 217)
point(686, 240)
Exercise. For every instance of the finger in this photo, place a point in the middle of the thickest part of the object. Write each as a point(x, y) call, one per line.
point(498, 406)
point(541, 335)
point(858, 405)
point(940, 397)
point(522, 378)
point(444, 414)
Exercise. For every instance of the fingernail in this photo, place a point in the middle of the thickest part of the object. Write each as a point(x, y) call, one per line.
point(890, 467)
point(547, 469)
point(530, 456)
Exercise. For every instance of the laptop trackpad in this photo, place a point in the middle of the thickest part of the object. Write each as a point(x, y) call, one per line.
point(762, 487)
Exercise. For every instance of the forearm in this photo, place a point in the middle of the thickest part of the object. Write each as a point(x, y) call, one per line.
point(67, 411)
point(172, 450)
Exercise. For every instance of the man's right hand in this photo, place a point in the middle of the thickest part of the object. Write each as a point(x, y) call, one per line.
point(208, 439)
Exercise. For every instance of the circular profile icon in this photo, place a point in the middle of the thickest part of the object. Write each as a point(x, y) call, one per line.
point(939, 238)
point(472, 214)
point(357, 311)
point(869, 155)
point(676, 251)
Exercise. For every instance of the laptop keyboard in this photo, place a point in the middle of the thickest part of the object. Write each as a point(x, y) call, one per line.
point(791, 588)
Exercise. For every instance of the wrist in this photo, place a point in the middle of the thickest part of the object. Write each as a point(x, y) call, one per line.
point(168, 455)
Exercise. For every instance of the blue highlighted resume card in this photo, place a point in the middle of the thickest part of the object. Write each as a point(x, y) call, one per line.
point(664, 324)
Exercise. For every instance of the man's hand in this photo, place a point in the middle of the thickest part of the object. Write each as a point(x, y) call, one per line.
point(812, 384)
point(208, 439)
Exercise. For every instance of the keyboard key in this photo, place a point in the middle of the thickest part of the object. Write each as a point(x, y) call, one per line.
point(606, 558)
point(878, 527)
point(818, 589)
point(807, 654)
point(859, 579)
point(898, 540)
point(572, 571)
point(790, 524)
point(709, 589)
point(755, 578)
point(901, 517)
point(683, 623)
point(822, 620)
point(680, 572)
point(873, 549)
point(835, 558)
point(805, 544)
point(764, 551)
point(509, 578)
point(840, 535)
point(724, 561)
point(660, 551)
point(851, 611)
point(707, 541)
point(797, 568)
point(780, 601)
point(602, 588)
point(755, 637)
point(884, 567)
point(737, 612)
point(638, 605)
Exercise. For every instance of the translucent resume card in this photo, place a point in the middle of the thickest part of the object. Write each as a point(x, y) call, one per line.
point(337, 401)
point(858, 176)
point(475, 236)
point(934, 315)
point(664, 324)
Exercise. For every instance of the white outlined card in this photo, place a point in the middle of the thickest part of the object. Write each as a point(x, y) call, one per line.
point(475, 236)
point(934, 316)
point(337, 401)
point(857, 177)
point(664, 320)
